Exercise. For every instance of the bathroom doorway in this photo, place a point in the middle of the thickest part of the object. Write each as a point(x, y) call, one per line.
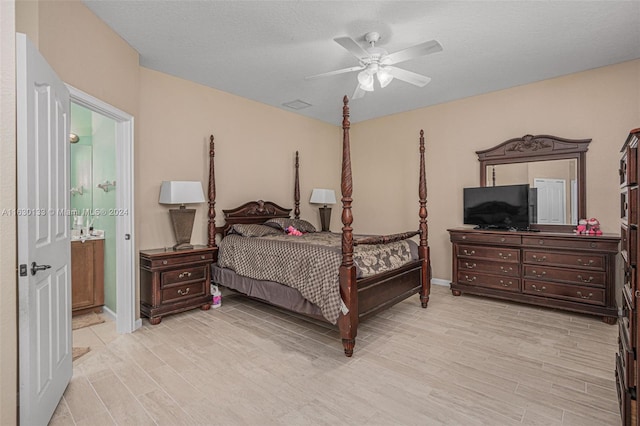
point(101, 182)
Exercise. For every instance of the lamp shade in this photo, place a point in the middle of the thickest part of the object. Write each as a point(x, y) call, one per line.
point(323, 196)
point(181, 192)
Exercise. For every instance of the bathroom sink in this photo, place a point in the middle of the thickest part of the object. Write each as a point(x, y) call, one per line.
point(92, 235)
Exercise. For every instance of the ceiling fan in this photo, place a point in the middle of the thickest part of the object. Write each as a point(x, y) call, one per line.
point(376, 61)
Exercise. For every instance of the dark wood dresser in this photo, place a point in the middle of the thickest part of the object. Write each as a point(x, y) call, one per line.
point(174, 281)
point(557, 270)
point(627, 372)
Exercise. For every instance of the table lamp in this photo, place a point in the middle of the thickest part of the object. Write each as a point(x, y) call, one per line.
point(324, 197)
point(182, 192)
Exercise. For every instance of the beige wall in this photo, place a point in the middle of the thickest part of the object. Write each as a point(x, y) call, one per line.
point(601, 104)
point(255, 148)
point(8, 256)
point(255, 143)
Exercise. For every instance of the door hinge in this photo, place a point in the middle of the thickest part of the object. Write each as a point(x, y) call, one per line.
point(23, 270)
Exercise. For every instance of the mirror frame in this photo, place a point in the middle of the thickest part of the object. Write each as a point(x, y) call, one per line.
point(541, 148)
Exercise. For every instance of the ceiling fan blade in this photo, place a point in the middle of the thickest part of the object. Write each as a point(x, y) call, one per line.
point(421, 49)
point(408, 76)
point(358, 93)
point(354, 48)
point(336, 72)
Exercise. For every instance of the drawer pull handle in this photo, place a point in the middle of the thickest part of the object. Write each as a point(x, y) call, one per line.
point(584, 297)
point(541, 242)
point(502, 240)
point(164, 262)
point(503, 256)
point(506, 284)
point(583, 263)
point(588, 280)
point(202, 256)
point(533, 271)
point(538, 289)
point(184, 274)
point(506, 270)
point(185, 292)
point(466, 277)
point(637, 293)
point(464, 237)
point(470, 265)
point(469, 253)
point(539, 259)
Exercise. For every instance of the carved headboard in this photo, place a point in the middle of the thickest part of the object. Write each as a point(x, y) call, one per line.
point(251, 212)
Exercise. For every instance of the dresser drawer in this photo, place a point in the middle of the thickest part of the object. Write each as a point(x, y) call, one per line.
point(489, 266)
point(186, 291)
point(184, 275)
point(628, 198)
point(577, 242)
point(490, 253)
point(628, 166)
point(626, 355)
point(488, 238)
point(576, 293)
point(489, 281)
point(571, 276)
point(628, 243)
point(178, 260)
point(570, 259)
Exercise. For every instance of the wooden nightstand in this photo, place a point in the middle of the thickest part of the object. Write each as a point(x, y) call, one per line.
point(173, 281)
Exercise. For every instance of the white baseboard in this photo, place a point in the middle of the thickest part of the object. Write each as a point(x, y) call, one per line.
point(109, 313)
point(112, 316)
point(440, 281)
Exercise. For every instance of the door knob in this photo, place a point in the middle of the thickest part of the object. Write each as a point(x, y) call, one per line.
point(35, 267)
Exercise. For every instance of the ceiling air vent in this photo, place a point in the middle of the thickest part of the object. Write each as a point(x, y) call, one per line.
point(297, 104)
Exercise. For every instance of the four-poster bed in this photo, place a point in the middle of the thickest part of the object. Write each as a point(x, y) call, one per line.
point(360, 293)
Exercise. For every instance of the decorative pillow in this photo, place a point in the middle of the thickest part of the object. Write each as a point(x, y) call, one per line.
point(253, 230)
point(285, 222)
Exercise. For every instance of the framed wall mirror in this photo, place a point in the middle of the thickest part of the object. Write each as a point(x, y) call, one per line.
point(553, 167)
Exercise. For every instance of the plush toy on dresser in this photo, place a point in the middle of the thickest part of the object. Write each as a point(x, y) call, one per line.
point(582, 227)
point(594, 226)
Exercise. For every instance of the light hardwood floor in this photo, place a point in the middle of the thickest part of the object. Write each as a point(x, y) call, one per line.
point(462, 361)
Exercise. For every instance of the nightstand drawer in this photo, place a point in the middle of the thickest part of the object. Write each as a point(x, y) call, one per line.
point(174, 294)
point(175, 261)
point(183, 275)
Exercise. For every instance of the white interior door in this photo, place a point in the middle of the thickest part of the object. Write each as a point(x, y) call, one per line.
point(44, 284)
point(552, 200)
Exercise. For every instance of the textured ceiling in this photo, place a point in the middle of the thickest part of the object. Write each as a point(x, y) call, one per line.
point(262, 50)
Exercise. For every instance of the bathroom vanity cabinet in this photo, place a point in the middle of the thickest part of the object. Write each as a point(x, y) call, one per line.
point(87, 276)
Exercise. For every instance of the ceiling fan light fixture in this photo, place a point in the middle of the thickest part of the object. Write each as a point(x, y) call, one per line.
point(366, 81)
point(384, 77)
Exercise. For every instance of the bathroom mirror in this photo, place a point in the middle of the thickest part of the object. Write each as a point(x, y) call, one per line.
point(554, 168)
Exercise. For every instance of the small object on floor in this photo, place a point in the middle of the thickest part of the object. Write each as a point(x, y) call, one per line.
point(78, 352)
point(217, 296)
point(86, 320)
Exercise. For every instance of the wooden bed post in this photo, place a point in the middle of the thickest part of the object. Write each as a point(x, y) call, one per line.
point(212, 198)
point(296, 190)
point(348, 324)
point(423, 249)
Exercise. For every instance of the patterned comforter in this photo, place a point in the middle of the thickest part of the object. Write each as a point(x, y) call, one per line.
point(309, 263)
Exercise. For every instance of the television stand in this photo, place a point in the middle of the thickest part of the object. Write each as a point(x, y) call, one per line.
point(563, 271)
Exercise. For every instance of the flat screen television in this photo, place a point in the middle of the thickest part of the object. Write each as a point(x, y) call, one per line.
point(497, 207)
